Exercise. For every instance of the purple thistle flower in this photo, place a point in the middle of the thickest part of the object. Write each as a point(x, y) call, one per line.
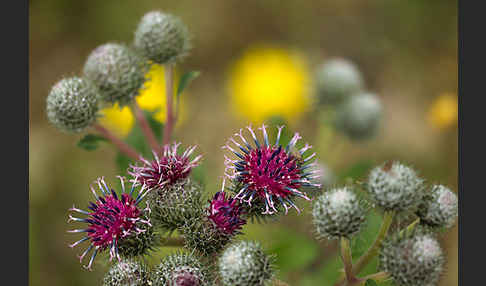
point(111, 218)
point(225, 213)
point(270, 173)
point(166, 169)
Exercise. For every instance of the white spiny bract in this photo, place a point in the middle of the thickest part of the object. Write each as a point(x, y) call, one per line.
point(336, 80)
point(439, 207)
point(359, 116)
point(127, 272)
point(412, 259)
point(338, 213)
point(118, 71)
point(72, 104)
point(162, 38)
point(245, 263)
point(394, 186)
point(181, 269)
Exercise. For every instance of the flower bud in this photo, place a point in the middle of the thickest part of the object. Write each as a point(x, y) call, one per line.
point(72, 104)
point(181, 269)
point(394, 186)
point(161, 37)
point(118, 71)
point(173, 205)
point(245, 263)
point(338, 213)
point(439, 207)
point(336, 80)
point(359, 116)
point(127, 272)
point(412, 259)
point(204, 236)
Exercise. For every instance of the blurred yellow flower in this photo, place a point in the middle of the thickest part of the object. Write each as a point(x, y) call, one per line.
point(151, 98)
point(443, 112)
point(119, 121)
point(268, 82)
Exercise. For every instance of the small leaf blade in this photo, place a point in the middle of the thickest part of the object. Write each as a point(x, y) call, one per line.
point(90, 142)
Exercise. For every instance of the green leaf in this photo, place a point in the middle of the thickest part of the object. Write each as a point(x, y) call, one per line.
point(185, 80)
point(154, 124)
point(122, 162)
point(370, 282)
point(183, 83)
point(90, 142)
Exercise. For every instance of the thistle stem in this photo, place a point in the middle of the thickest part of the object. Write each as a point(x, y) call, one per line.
point(122, 146)
point(169, 93)
point(347, 260)
point(173, 241)
point(374, 248)
point(277, 282)
point(378, 276)
point(144, 125)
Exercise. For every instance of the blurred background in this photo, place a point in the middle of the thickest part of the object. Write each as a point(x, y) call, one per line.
point(245, 50)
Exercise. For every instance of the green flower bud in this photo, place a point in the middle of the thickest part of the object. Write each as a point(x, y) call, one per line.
point(413, 259)
point(72, 104)
point(439, 207)
point(142, 243)
point(175, 204)
point(118, 71)
point(336, 80)
point(127, 272)
point(181, 269)
point(245, 263)
point(394, 186)
point(203, 236)
point(359, 116)
point(162, 38)
point(338, 213)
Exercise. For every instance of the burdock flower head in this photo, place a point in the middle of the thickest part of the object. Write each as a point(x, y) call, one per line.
point(225, 213)
point(270, 173)
point(112, 219)
point(166, 169)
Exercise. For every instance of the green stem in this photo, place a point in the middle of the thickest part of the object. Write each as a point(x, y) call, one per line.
point(374, 248)
point(347, 260)
point(379, 276)
point(173, 241)
point(410, 227)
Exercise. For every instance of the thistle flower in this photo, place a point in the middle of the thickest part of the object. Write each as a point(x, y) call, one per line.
point(181, 269)
point(338, 213)
point(439, 207)
point(270, 173)
point(127, 272)
point(118, 71)
point(412, 259)
point(245, 263)
point(204, 236)
point(72, 104)
point(394, 186)
point(161, 37)
point(166, 169)
point(336, 80)
point(225, 213)
point(112, 220)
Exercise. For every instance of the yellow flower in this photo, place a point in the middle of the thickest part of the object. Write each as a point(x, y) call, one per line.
point(119, 121)
point(151, 98)
point(443, 112)
point(268, 82)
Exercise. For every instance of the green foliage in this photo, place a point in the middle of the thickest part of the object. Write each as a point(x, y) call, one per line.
point(90, 142)
point(370, 282)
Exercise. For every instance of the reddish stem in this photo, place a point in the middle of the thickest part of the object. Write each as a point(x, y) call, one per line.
point(122, 146)
point(144, 125)
point(169, 123)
